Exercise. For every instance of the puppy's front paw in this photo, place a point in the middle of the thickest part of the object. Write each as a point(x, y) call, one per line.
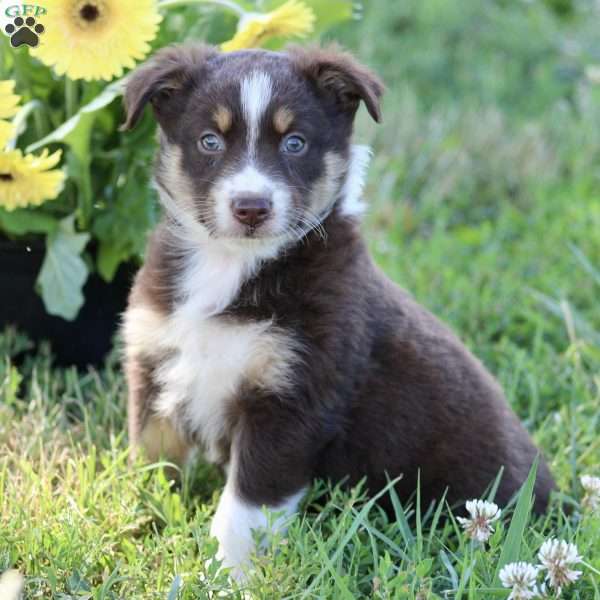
point(215, 567)
point(232, 527)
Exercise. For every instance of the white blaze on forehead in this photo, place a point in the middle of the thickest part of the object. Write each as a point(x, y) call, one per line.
point(256, 91)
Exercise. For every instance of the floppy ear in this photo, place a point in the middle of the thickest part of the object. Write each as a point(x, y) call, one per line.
point(340, 74)
point(157, 81)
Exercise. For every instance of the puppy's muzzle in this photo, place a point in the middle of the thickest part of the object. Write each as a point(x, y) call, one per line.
point(251, 210)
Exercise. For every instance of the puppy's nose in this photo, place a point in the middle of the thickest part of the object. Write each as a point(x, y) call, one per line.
point(251, 210)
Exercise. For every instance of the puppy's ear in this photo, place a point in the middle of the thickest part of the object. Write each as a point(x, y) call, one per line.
point(157, 81)
point(339, 73)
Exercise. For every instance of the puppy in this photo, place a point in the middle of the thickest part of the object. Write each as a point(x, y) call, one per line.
point(260, 331)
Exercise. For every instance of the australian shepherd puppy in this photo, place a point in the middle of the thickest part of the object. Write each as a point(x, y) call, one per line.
point(260, 331)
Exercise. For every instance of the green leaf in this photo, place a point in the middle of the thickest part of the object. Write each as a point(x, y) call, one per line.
point(79, 138)
point(79, 172)
point(512, 546)
point(77, 128)
point(110, 256)
point(423, 568)
point(22, 221)
point(64, 272)
point(122, 224)
point(330, 12)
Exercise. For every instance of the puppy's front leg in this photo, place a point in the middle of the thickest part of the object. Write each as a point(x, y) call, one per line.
point(235, 520)
point(271, 466)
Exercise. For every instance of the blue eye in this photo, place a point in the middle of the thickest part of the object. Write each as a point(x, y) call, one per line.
point(293, 144)
point(211, 143)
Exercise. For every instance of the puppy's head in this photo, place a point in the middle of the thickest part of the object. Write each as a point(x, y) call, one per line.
point(254, 144)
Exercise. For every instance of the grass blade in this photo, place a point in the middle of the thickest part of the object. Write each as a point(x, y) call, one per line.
point(358, 522)
point(175, 586)
point(495, 485)
point(585, 262)
point(512, 545)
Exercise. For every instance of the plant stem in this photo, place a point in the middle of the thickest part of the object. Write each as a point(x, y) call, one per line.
point(71, 97)
point(3, 53)
point(588, 566)
point(40, 121)
point(224, 3)
point(71, 100)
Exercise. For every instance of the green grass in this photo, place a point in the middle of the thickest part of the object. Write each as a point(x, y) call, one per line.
point(485, 203)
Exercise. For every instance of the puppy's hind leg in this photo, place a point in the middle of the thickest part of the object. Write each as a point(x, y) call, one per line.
point(155, 436)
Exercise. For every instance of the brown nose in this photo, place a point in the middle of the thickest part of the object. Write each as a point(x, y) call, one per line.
point(251, 210)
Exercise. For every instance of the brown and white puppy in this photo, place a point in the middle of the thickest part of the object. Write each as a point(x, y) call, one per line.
point(260, 331)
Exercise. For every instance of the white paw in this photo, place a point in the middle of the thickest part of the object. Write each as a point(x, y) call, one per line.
point(11, 585)
point(234, 523)
point(232, 526)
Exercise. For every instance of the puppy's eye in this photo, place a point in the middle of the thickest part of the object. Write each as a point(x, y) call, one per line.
point(293, 144)
point(211, 143)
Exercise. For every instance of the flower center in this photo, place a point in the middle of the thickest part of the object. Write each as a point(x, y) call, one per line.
point(89, 15)
point(89, 12)
point(6, 177)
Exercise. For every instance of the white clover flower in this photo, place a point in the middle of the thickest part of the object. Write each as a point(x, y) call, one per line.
point(479, 525)
point(556, 556)
point(521, 577)
point(591, 485)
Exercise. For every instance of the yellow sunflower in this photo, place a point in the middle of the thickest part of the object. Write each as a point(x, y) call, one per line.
point(9, 107)
point(96, 39)
point(9, 101)
point(29, 180)
point(293, 18)
point(6, 133)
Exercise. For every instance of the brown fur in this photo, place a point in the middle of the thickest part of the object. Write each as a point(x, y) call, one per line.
point(380, 387)
point(386, 387)
point(338, 72)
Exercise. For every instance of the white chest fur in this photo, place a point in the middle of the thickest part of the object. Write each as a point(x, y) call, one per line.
point(206, 357)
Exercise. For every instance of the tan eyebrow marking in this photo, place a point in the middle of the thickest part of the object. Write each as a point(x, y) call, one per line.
point(282, 119)
point(223, 117)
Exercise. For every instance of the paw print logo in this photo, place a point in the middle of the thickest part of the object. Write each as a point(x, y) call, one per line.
point(24, 31)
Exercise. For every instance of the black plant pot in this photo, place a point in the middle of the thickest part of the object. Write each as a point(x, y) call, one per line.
point(84, 341)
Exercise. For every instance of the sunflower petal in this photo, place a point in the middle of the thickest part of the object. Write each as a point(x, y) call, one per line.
point(29, 180)
point(6, 133)
point(9, 101)
point(293, 18)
